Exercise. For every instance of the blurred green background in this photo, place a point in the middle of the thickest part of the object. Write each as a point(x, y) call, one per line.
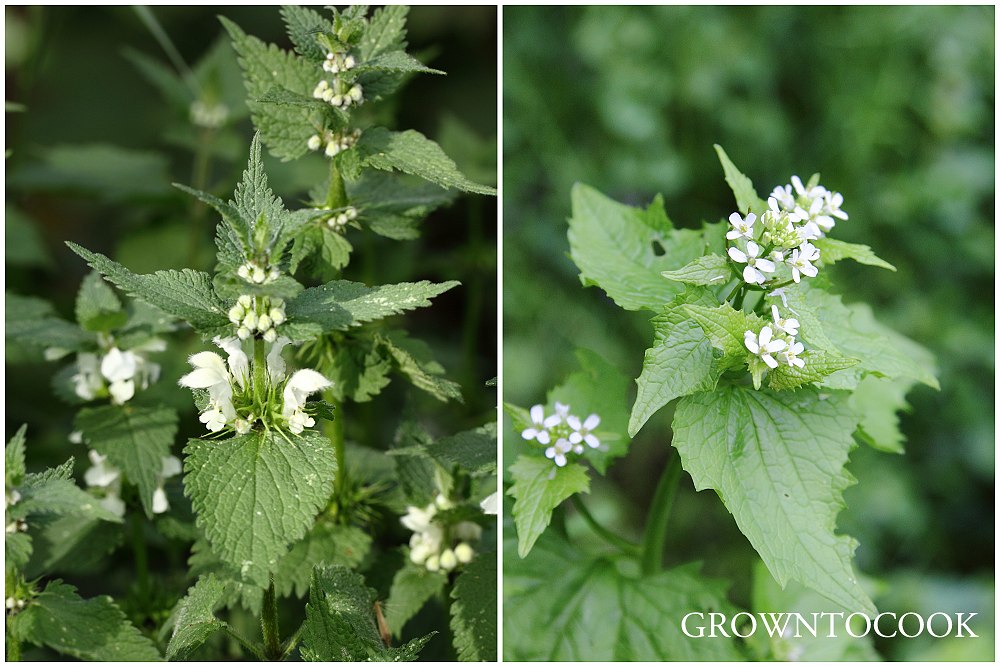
point(895, 107)
point(94, 145)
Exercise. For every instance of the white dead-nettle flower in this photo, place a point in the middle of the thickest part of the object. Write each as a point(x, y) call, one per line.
point(302, 383)
point(103, 475)
point(120, 372)
point(171, 467)
point(210, 373)
point(428, 546)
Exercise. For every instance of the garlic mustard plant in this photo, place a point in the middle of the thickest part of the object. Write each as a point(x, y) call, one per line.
point(766, 371)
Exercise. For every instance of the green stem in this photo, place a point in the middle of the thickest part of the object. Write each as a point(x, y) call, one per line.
point(141, 558)
point(248, 645)
point(260, 380)
point(269, 624)
point(733, 291)
point(659, 513)
point(292, 642)
point(336, 195)
point(630, 548)
point(13, 648)
point(738, 304)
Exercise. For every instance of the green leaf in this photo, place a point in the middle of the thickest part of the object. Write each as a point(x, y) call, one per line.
point(17, 549)
point(602, 389)
point(34, 322)
point(24, 244)
point(392, 205)
point(415, 472)
point(413, 360)
point(818, 365)
point(326, 543)
point(386, 32)
point(195, 621)
point(395, 61)
point(412, 586)
point(185, 294)
point(413, 153)
point(474, 610)
point(474, 451)
point(13, 456)
point(97, 305)
point(539, 486)
point(854, 332)
point(53, 493)
point(135, 440)
point(285, 129)
point(616, 248)
point(777, 462)
point(832, 251)
point(877, 402)
point(706, 270)
point(779, 604)
point(69, 544)
point(742, 187)
point(679, 362)
point(340, 622)
point(564, 605)
point(92, 629)
point(303, 26)
point(256, 494)
point(359, 369)
point(341, 304)
point(725, 326)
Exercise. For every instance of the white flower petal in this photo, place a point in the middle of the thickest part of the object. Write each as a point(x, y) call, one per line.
point(537, 414)
point(737, 255)
point(593, 421)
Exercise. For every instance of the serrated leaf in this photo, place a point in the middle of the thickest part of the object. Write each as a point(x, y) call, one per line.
point(284, 129)
point(539, 486)
point(92, 629)
point(256, 494)
point(780, 604)
point(618, 248)
point(742, 187)
point(412, 586)
point(68, 544)
point(706, 270)
point(13, 456)
point(195, 621)
point(392, 205)
point(386, 31)
point(414, 472)
point(818, 365)
point(303, 25)
point(564, 605)
point(474, 451)
point(853, 331)
point(342, 304)
point(777, 462)
point(340, 622)
point(474, 610)
point(97, 305)
point(598, 388)
point(725, 326)
point(413, 153)
point(17, 549)
point(32, 321)
point(422, 371)
point(395, 61)
point(135, 440)
point(877, 402)
point(185, 294)
point(359, 369)
point(52, 494)
point(678, 363)
point(833, 250)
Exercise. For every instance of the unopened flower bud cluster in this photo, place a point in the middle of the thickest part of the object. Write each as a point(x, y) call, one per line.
point(112, 371)
point(336, 91)
point(257, 315)
point(796, 215)
point(255, 274)
point(12, 497)
point(565, 434)
point(333, 143)
point(338, 221)
point(437, 546)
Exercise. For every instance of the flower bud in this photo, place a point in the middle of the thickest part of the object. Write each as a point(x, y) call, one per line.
point(332, 149)
point(349, 62)
point(337, 100)
point(419, 553)
point(246, 301)
point(243, 333)
point(258, 275)
point(243, 272)
point(356, 92)
point(263, 323)
point(236, 314)
point(448, 560)
point(270, 335)
point(277, 315)
point(314, 142)
point(464, 553)
point(433, 563)
point(250, 321)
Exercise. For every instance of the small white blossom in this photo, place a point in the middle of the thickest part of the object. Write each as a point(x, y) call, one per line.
point(464, 552)
point(801, 261)
point(558, 451)
point(741, 226)
point(790, 326)
point(582, 431)
point(537, 430)
point(762, 345)
point(756, 266)
point(790, 354)
point(448, 560)
point(314, 142)
point(302, 383)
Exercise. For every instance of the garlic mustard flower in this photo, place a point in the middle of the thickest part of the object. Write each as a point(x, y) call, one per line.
point(790, 354)
point(756, 266)
point(801, 261)
point(537, 430)
point(558, 451)
point(762, 345)
point(741, 226)
point(790, 326)
point(582, 431)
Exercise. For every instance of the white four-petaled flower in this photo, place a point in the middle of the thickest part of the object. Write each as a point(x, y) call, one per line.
point(801, 261)
point(537, 430)
point(741, 226)
point(790, 325)
point(558, 451)
point(582, 431)
point(756, 266)
point(763, 345)
point(790, 355)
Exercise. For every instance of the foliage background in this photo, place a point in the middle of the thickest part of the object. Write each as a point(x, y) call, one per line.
point(68, 67)
point(895, 107)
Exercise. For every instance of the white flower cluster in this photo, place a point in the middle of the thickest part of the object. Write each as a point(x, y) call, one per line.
point(231, 392)
point(15, 605)
point(338, 221)
point(433, 545)
point(335, 142)
point(566, 432)
point(106, 477)
point(796, 215)
point(206, 115)
point(254, 273)
point(12, 497)
point(116, 372)
point(336, 91)
point(766, 343)
point(257, 315)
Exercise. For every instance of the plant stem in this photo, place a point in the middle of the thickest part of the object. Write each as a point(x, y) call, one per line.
point(733, 291)
point(269, 624)
point(738, 304)
point(141, 558)
point(244, 642)
point(292, 642)
point(659, 513)
point(13, 649)
point(260, 382)
point(630, 548)
point(336, 195)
